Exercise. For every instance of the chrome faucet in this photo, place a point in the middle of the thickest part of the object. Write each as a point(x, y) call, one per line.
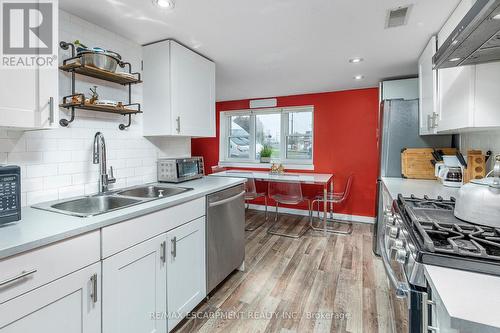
point(99, 154)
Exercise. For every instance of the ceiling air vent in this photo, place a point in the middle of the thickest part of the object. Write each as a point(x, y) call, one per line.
point(397, 17)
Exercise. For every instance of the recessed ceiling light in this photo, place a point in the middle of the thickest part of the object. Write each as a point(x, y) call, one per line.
point(355, 60)
point(454, 59)
point(496, 17)
point(358, 77)
point(164, 3)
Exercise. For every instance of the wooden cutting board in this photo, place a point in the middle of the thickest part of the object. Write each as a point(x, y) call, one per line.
point(416, 162)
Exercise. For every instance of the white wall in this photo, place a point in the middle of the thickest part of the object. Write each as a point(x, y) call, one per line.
point(57, 163)
point(487, 140)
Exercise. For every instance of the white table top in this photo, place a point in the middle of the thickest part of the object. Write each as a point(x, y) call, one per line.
point(305, 178)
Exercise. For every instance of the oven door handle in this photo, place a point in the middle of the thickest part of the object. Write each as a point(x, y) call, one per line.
point(402, 288)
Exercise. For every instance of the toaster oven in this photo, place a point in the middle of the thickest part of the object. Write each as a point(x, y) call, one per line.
point(10, 193)
point(177, 170)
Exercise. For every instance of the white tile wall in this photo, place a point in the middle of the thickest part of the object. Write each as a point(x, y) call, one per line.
point(57, 164)
point(487, 140)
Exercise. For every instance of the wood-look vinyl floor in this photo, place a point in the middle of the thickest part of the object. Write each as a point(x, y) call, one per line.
point(311, 284)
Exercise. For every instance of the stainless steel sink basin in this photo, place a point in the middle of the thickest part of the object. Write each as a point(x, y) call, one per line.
point(152, 191)
point(95, 205)
point(110, 201)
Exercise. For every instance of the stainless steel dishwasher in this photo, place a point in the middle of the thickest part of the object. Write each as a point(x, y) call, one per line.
point(225, 234)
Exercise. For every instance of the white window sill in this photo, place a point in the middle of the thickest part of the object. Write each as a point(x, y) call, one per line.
point(256, 165)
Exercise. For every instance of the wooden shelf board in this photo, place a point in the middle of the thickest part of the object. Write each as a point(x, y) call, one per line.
point(98, 73)
point(101, 108)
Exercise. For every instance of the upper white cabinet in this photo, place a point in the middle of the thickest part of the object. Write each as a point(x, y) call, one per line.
point(428, 90)
point(70, 304)
point(179, 91)
point(186, 274)
point(467, 95)
point(28, 98)
point(134, 289)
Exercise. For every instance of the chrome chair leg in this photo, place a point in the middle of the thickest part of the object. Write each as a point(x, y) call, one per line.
point(332, 221)
point(255, 227)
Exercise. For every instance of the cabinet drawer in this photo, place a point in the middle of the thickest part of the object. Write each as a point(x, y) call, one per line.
point(27, 271)
point(121, 236)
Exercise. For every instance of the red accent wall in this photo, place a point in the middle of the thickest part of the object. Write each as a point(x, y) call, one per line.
point(345, 142)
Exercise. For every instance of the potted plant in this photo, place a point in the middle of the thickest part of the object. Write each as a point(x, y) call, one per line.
point(265, 154)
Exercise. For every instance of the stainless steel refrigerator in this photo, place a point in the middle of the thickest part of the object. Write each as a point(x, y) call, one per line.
point(398, 129)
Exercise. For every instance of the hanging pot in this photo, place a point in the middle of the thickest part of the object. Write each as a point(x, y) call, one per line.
point(478, 202)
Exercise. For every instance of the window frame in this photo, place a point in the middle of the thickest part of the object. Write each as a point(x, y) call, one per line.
point(252, 161)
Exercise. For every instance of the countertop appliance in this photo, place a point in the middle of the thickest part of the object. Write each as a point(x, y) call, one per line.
point(421, 231)
point(450, 172)
point(10, 193)
point(479, 201)
point(177, 170)
point(398, 129)
point(225, 234)
point(475, 40)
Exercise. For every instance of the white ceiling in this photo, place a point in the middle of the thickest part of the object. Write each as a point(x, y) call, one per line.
point(280, 47)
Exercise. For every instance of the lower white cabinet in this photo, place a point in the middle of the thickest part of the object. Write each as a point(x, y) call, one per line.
point(70, 304)
point(186, 273)
point(134, 289)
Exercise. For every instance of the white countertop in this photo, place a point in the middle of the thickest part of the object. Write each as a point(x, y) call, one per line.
point(419, 188)
point(38, 228)
point(306, 178)
point(472, 300)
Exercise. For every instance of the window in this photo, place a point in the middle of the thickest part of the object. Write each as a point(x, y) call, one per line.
point(287, 132)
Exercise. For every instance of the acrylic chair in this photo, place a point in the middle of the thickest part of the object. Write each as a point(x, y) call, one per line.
point(332, 199)
point(218, 168)
point(288, 194)
point(252, 194)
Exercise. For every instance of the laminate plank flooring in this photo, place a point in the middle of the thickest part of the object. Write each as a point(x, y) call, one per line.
point(311, 284)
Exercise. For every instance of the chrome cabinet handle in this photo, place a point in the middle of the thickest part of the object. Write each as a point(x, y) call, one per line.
point(162, 251)
point(23, 275)
point(221, 202)
point(174, 247)
point(178, 120)
point(93, 294)
point(51, 110)
point(429, 122)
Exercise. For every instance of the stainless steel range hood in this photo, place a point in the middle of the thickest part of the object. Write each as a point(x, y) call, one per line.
point(475, 40)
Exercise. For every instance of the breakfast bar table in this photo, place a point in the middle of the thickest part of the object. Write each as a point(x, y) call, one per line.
point(321, 179)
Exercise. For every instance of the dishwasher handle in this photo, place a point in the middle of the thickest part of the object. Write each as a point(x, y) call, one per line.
point(224, 201)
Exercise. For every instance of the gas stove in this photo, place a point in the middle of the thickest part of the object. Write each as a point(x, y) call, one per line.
point(435, 236)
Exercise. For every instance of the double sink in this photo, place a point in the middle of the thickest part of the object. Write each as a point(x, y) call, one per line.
point(106, 202)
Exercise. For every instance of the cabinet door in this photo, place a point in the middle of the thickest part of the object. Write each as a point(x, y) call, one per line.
point(186, 274)
point(157, 121)
point(134, 289)
point(193, 92)
point(487, 98)
point(427, 90)
point(66, 305)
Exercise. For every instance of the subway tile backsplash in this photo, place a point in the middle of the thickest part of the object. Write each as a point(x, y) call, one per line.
point(57, 164)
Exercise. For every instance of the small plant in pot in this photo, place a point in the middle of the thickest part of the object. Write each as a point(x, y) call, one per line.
point(265, 154)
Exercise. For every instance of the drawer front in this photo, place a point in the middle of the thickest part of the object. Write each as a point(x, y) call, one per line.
point(30, 270)
point(121, 236)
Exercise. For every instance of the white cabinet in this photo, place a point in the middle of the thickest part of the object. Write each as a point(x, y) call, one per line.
point(179, 91)
point(70, 304)
point(427, 76)
point(186, 274)
point(467, 95)
point(28, 98)
point(134, 289)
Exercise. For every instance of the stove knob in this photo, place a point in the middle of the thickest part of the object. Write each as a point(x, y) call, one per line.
point(393, 232)
point(390, 220)
point(400, 256)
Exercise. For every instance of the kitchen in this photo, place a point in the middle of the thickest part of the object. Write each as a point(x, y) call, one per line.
point(177, 166)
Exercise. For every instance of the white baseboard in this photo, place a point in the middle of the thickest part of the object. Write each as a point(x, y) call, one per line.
point(337, 216)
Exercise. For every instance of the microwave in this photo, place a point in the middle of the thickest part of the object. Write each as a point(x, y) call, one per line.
point(10, 193)
point(177, 170)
